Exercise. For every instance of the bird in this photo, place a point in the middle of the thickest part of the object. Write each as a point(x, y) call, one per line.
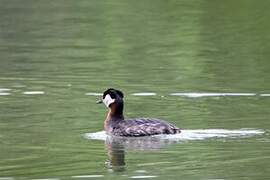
point(115, 124)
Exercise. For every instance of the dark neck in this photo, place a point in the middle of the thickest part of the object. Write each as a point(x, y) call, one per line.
point(117, 110)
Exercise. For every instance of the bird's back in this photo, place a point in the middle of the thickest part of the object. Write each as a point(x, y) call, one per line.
point(143, 127)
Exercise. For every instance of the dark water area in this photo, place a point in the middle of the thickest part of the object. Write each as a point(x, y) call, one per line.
point(202, 65)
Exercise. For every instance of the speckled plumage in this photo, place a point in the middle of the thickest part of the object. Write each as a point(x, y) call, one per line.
point(115, 124)
point(142, 127)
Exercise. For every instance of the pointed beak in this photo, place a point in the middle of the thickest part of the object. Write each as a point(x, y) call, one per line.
point(99, 101)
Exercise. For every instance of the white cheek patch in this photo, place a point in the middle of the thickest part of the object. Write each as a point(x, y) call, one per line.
point(108, 100)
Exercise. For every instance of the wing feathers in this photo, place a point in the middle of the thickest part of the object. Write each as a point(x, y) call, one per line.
point(144, 127)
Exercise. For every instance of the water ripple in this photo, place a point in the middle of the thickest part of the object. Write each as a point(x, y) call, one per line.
point(187, 94)
point(265, 95)
point(47, 179)
point(195, 95)
point(4, 89)
point(142, 177)
point(144, 94)
point(88, 176)
point(4, 94)
point(33, 92)
point(93, 94)
point(196, 134)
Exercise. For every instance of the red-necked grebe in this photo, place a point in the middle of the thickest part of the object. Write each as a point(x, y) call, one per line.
point(116, 124)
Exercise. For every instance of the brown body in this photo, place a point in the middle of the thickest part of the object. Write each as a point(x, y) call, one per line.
point(115, 124)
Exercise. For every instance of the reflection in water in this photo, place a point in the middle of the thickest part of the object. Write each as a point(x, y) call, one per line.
point(116, 154)
point(116, 147)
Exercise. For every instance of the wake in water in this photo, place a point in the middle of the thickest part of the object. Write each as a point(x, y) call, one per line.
point(199, 134)
point(158, 141)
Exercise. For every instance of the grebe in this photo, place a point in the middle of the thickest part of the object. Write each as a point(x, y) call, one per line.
point(115, 123)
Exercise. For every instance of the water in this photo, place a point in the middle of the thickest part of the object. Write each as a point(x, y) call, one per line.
point(202, 65)
point(185, 135)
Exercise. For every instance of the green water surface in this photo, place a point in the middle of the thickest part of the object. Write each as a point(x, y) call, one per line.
point(63, 49)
